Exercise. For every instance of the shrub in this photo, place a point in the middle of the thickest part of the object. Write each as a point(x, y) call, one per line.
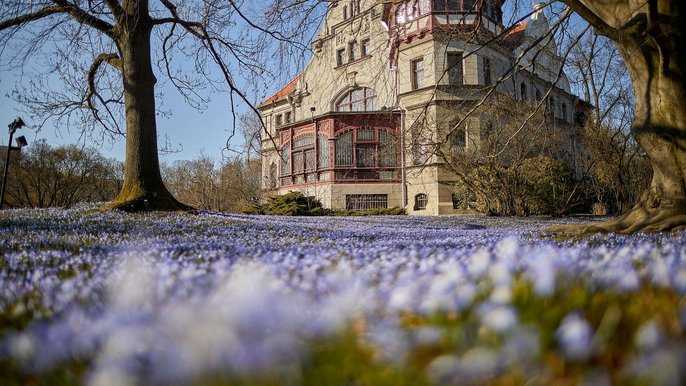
point(551, 188)
point(290, 204)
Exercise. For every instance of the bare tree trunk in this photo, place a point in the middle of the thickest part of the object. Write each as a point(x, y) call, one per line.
point(657, 67)
point(651, 45)
point(143, 188)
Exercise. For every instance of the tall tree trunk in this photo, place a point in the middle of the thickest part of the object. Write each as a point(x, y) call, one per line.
point(651, 45)
point(143, 188)
point(657, 65)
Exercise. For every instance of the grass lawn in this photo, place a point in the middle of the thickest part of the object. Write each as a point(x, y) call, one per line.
point(111, 299)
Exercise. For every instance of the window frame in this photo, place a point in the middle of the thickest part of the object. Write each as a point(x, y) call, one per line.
point(368, 102)
point(365, 48)
point(455, 69)
point(421, 201)
point(486, 68)
point(417, 73)
point(523, 92)
point(354, 51)
point(341, 57)
point(366, 201)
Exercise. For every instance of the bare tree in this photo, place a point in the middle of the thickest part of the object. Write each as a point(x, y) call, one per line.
point(104, 54)
point(229, 186)
point(616, 170)
point(62, 177)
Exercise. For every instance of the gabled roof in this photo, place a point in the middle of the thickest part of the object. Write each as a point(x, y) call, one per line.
point(513, 38)
point(283, 93)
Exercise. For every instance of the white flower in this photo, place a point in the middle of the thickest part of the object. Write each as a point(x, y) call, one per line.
point(575, 336)
point(648, 336)
point(478, 263)
point(499, 318)
point(501, 295)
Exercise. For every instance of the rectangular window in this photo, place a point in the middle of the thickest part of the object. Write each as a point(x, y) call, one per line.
point(365, 47)
point(365, 201)
point(278, 120)
point(486, 62)
point(287, 117)
point(454, 68)
point(453, 5)
point(417, 73)
point(323, 150)
point(469, 5)
point(285, 161)
point(439, 5)
point(354, 49)
point(310, 160)
point(344, 150)
point(355, 7)
point(340, 57)
point(298, 162)
point(423, 7)
point(366, 156)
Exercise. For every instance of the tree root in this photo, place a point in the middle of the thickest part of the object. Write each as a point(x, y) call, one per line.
point(641, 218)
point(143, 203)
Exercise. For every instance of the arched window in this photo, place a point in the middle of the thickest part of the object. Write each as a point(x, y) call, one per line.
point(359, 99)
point(420, 201)
point(522, 91)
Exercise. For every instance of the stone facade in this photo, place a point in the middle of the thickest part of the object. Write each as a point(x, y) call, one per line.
point(386, 83)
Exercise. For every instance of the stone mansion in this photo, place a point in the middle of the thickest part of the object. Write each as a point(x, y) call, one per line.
point(389, 79)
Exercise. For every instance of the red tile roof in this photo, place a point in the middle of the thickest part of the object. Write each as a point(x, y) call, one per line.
point(283, 93)
point(514, 36)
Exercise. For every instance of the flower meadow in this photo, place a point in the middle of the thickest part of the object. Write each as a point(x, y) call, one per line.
point(109, 299)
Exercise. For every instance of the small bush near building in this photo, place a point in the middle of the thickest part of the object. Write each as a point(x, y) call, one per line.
point(537, 186)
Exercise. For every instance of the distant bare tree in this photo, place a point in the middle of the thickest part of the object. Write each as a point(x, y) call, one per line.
point(616, 169)
point(228, 186)
point(63, 176)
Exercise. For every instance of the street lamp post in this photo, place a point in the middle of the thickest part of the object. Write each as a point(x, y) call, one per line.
point(21, 141)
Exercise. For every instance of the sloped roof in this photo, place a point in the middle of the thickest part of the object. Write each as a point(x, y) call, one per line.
point(283, 93)
point(513, 38)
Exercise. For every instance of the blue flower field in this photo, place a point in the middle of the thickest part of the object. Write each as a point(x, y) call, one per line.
point(110, 299)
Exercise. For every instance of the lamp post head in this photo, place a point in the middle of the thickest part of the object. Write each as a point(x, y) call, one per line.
point(21, 142)
point(16, 124)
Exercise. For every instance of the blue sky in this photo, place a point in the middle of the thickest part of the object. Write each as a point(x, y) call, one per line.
point(195, 132)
